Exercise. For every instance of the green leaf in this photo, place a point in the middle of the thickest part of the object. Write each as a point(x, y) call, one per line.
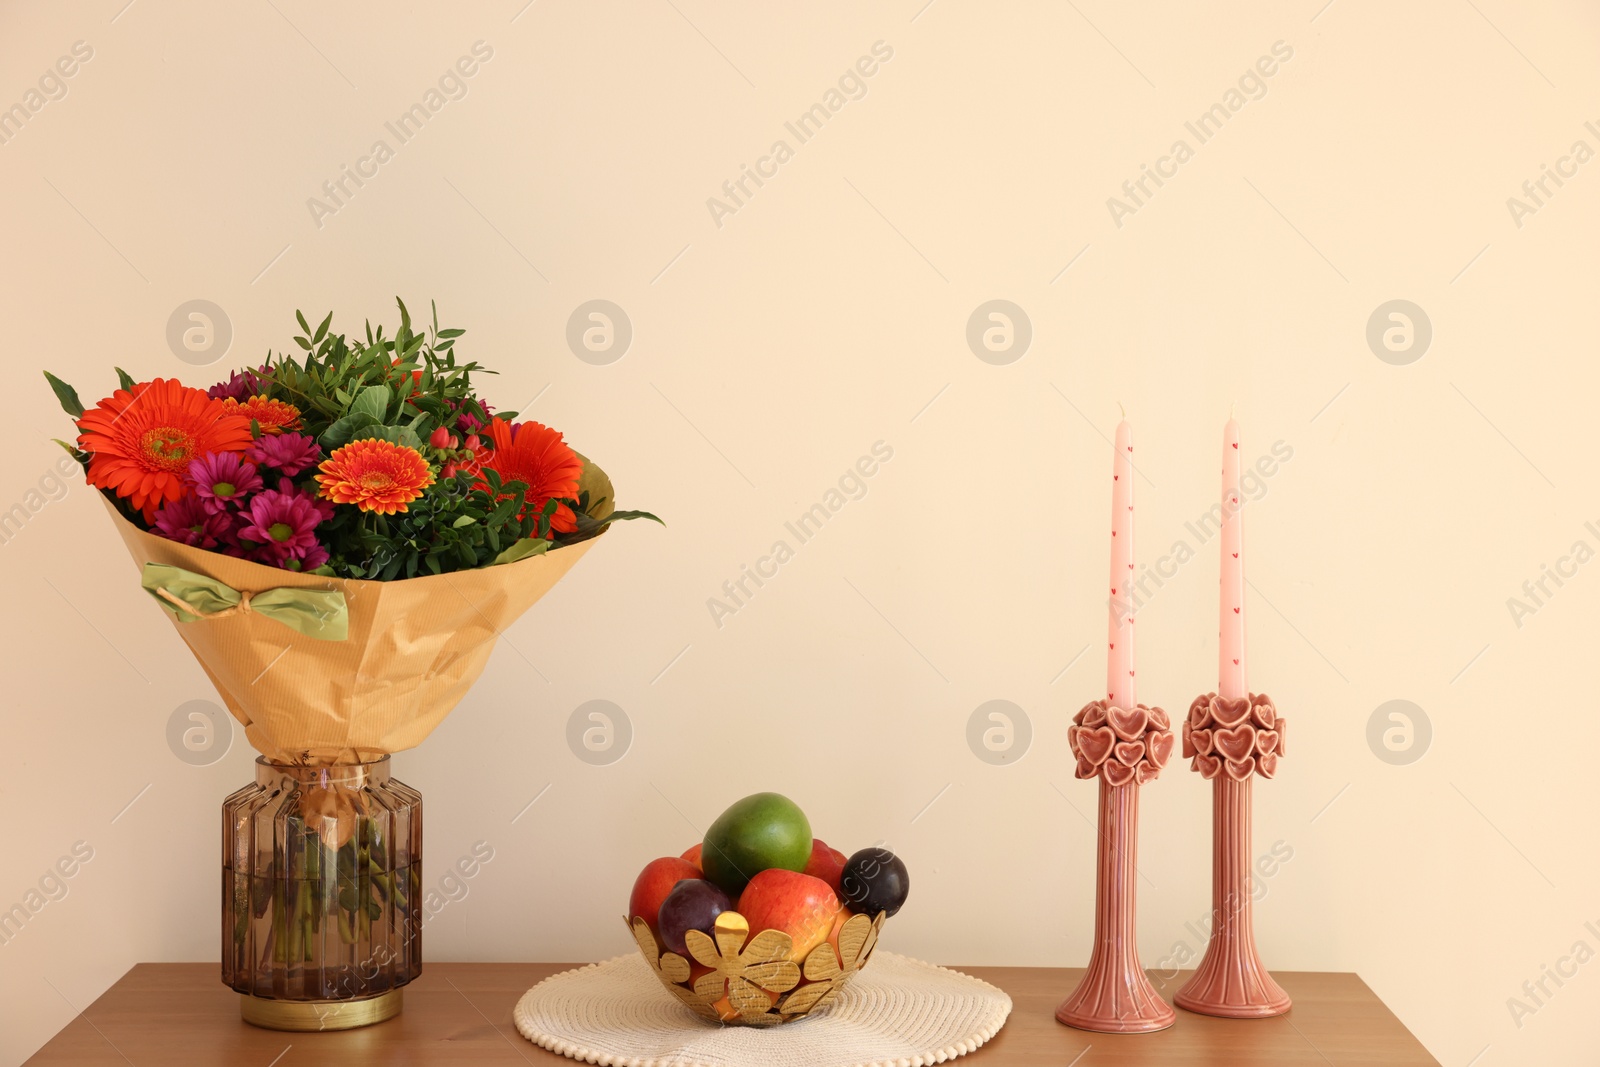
point(373, 400)
point(465, 520)
point(125, 379)
point(66, 394)
point(395, 435)
point(620, 516)
point(528, 546)
point(344, 430)
point(322, 331)
point(447, 334)
point(301, 319)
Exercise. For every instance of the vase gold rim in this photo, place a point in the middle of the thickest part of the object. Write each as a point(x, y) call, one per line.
point(310, 1016)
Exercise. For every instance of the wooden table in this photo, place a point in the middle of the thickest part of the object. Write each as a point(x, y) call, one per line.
point(460, 1013)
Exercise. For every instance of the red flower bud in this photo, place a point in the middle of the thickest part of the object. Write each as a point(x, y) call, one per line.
point(440, 438)
point(472, 442)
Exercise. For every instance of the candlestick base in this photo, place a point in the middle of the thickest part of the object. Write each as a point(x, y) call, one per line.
point(1123, 748)
point(1111, 1003)
point(1231, 742)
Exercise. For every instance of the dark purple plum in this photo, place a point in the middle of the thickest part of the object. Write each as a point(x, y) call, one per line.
point(874, 880)
point(693, 904)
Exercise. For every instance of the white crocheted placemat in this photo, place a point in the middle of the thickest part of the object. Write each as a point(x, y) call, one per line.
point(897, 1011)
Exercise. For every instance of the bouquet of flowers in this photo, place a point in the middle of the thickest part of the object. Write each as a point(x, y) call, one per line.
point(340, 535)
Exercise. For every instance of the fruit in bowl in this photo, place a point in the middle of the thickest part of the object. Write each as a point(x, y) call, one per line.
point(760, 922)
point(655, 883)
point(693, 904)
point(758, 833)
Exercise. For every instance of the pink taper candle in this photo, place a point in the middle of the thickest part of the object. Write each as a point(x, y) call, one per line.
point(1231, 981)
point(1231, 683)
point(1120, 688)
point(1115, 996)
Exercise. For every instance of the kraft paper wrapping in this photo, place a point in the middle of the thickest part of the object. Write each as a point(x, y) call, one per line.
point(414, 649)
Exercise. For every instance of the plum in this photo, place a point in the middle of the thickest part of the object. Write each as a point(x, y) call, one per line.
point(693, 904)
point(874, 880)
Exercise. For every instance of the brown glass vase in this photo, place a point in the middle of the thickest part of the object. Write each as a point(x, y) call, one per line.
point(321, 894)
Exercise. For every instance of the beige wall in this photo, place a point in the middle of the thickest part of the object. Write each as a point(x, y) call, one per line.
point(825, 314)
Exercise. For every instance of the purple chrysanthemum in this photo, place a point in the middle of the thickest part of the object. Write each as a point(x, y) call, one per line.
point(315, 557)
point(290, 453)
point(188, 521)
point(222, 478)
point(282, 522)
point(467, 422)
point(240, 386)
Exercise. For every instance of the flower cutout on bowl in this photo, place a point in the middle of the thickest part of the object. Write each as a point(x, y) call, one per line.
point(752, 972)
point(1237, 738)
point(826, 972)
point(1121, 744)
point(671, 968)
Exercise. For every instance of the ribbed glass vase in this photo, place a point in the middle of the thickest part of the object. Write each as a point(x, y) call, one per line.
point(321, 894)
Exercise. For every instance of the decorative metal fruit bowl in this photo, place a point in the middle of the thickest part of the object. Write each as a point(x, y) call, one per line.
point(733, 977)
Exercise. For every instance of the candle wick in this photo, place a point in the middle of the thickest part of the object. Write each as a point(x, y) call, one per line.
point(1123, 410)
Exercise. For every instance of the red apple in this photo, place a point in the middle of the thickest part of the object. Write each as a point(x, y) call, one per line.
point(653, 885)
point(826, 863)
point(693, 855)
point(800, 905)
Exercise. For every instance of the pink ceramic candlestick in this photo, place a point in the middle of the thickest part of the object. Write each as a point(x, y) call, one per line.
point(1231, 980)
point(1123, 744)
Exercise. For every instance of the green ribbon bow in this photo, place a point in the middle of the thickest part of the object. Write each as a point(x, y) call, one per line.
point(318, 613)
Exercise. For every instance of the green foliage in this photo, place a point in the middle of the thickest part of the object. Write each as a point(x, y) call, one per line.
point(401, 388)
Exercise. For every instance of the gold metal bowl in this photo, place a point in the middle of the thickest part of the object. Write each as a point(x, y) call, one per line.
point(732, 977)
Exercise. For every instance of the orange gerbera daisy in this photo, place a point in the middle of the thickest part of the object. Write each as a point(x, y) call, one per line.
point(534, 454)
point(273, 416)
point(142, 441)
point(374, 475)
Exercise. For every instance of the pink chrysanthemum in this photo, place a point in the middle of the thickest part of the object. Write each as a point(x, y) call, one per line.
point(240, 386)
point(190, 522)
point(290, 453)
point(282, 523)
point(222, 478)
point(467, 422)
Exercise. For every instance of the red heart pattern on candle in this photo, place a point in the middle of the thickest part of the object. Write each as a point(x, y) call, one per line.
point(1129, 723)
point(1234, 737)
point(1123, 745)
